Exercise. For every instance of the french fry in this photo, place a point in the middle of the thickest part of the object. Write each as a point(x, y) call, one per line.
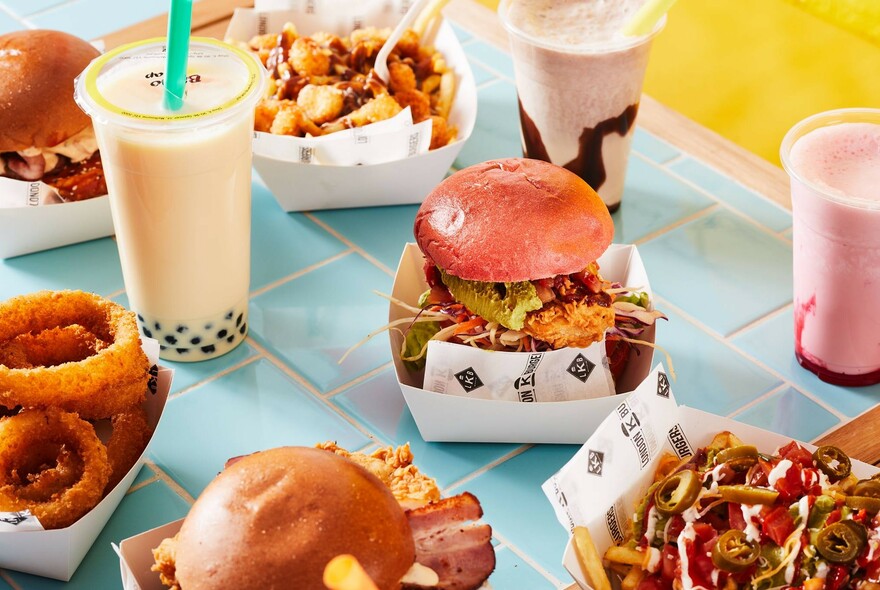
point(589, 559)
point(344, 572)
point(447, 93)
point(632, 579)
point(625, 555)
point(428, 14)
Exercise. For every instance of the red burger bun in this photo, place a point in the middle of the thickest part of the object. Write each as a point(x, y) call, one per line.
point(513, 220)
point(38, 68)
point(274, 519)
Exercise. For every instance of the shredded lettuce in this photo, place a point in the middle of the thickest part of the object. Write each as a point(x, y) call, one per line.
point(416, 339)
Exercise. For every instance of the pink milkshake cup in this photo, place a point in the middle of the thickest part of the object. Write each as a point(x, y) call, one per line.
point(579, 83)
point(833, 160)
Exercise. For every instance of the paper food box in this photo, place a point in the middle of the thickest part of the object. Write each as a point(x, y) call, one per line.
point(57, 553)
point(384, 163)
point(600, 487)
point(34, 218)
point(494, 413)
point(136, 557)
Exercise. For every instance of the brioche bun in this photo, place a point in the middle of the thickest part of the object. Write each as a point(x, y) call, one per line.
point(513, 220)
point(275, 518)
point(37, 69)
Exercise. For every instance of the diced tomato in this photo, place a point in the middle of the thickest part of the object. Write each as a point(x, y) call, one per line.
point(654, 582)
point(669, 561)
point(796, 454)
point(699, 553)
point(833, 517)
point(676, 525)
point(837, 577)
point(735, 516)
point(439, 294)
point(758, 473)
point(777, 524)
point(432, 275)
point(790, 486)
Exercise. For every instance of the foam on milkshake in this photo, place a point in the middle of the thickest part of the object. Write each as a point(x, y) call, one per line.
point(574, 22)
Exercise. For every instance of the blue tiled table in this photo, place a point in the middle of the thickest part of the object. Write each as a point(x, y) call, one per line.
point(719, 257)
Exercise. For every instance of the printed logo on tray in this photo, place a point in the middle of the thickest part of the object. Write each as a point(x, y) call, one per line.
point(469, 379)
point(581, 368)
point(679, 442)
point(525, 383)
point(595, 459)
point(662, 385)
point(613, 524)
point(305, 154)
point(14, 518)
point(153, 383)
point(631, 427)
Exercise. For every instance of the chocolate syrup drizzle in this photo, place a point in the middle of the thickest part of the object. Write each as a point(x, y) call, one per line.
point(588, 163)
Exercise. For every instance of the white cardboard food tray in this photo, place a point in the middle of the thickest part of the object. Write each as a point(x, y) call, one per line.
point(136, 557)
point(303, 187)
point(601, 485)
point(33, 228)
point(455, 418)
point(57, 553)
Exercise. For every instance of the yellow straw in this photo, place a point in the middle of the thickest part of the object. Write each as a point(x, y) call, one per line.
point(646, 18)
point(344, 572)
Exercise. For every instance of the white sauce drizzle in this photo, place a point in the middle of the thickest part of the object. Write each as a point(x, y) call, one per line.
point(778, 472)
point(651, 528)
point(749, 512)
point(821, 570)
point(653, 565)
point(804, 509)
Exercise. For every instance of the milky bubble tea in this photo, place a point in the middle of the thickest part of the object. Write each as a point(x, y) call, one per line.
point(180, 188)
point(833, 160)
point(579, 82)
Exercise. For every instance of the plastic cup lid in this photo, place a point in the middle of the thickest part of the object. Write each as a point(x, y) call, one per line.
point(125, 86)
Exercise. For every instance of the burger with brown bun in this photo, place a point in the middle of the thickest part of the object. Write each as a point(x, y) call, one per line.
point(276, 518)
point(510, 258)
point(43, 133)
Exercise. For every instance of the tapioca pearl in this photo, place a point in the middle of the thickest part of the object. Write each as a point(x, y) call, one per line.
point(230, 339)
point(147, 332)
point(222, 334)
point(195, 341)
point(157, 326)
point(163, 347)
point(243, 328)
point(208, 349)
point(208, 326)
point(170, 339)
point(229, 315)
point(140, 318)
point(182, 350)
point(181, 329)
point(239, 319)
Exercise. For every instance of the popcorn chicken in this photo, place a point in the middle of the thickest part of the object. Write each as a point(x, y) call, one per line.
point(265, 114)
point(307, 58)
point(292, 120)
point(267, 41)
point(380, 108)
point(401, 77)
point(373, 34)
point(408, 44)
point(321, 103)
point(415, 100)
point(441, 132)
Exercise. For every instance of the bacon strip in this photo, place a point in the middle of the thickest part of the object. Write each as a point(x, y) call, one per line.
point(25, 167)
point(449, 542)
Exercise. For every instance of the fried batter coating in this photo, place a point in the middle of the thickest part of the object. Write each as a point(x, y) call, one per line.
point(408, 44)
point(417, 101)
point(265, 114)
point(321, 103)
point(394, 467)
point(309, 59)
point(441, 132)
point(292, 120)
point(380, 108)
point(165, 556)
point(574, 324)
point(401, 77)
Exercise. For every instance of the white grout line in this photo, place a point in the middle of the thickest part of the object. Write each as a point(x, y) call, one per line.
point(526, 558)
point(471, 476)
point(678, 223)
point(301, 272)
point(142, 484)
point(218, 375)
point(6, 578)
point(170, 482)
point(757, 400)
point(761, 320)
point(359, 380)
point(331, 230)
point(115, 294)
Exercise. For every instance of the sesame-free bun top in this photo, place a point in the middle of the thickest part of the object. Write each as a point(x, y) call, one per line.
point(272, 520)
point(513, 220)
point(37, 69)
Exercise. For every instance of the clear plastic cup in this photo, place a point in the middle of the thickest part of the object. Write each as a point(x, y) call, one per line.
point(180, 188)
point(833, 161)
point(579, 85)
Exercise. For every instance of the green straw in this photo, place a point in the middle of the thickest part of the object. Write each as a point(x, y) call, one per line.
point(646, 17)
point(179, 21)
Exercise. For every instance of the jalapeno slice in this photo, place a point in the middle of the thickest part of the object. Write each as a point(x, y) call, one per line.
point(832, 461)
point(867, 487)
point(842, 541)
point(872, 505)
point(738, 458)
point(748, 494)
point(734, 552)
point(677, 492)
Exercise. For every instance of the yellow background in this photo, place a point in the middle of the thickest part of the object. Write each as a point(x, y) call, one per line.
point(750, 69)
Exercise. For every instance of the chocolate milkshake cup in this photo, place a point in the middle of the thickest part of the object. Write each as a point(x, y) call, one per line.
point(180, 188)
point(579, 83)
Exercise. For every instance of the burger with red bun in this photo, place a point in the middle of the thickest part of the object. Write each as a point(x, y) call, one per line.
point(510, 252)
point(43, 133)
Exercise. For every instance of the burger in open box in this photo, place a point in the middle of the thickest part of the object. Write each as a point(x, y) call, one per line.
point(510, 258)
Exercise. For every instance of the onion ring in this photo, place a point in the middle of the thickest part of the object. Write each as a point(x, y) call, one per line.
point(131, 433)
point(55, 467)
point(99, 386)
point(30, 429)
point(50, 347)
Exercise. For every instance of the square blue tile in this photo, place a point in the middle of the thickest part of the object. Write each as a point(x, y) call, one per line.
point(725, 271)
point(378, 404)
point(360, 226)
point(496, 133)
point(517, 509)
point(8, 25)
point(312, 320)
point(144, 474)
point(791, 413)
point(772, 341)
point(151, 506)
point(734, 194)
point(254, 408)
point(652, 200)
point(481, 74)
point(711, 375)
point(89, 266)
point(90, 19)
point(284, 243)
point(493, 58)
point(28, 7)
point(463, 35)
point(652, 147)
point(512, 573)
